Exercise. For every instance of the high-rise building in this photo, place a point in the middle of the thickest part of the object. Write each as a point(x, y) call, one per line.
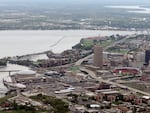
point(147, 57)
point(98, 56)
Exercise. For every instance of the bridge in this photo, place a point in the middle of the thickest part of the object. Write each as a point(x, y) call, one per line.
point(9, 71)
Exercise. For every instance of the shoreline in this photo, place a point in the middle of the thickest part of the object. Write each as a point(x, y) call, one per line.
point(59, 40)
point(108, 28)
point(42, 40)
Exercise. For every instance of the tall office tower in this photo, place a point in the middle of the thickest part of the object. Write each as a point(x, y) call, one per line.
point(98, 56)
point(147, 57)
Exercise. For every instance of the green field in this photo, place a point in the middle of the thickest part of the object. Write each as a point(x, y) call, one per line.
point(88, 44)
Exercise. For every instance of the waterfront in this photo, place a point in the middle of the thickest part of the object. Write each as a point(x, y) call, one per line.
point(72, 83)
point(3, 75)
point(26, 42)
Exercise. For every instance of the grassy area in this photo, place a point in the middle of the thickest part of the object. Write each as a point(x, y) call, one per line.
point(129, 40)
point(138, 86)
point(117, 102)
point(118, 50)
point(123, 51)
point(25, 109)
point(87, 43)
point(5, 98)
point(58, 105)
point(55, 105)
point(90, 43)
point(15, 108)
point(106, 43)
point(74, 69)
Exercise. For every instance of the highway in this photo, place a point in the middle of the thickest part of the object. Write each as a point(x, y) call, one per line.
point(122, 77)
point(93, 75)
point(79, 62)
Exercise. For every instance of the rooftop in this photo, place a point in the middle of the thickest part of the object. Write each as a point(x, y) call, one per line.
point(26, 72)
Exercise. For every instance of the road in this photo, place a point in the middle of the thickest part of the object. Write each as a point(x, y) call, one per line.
point(117, 42)
point(93, 75)
point(79, 62)
point(121, 77)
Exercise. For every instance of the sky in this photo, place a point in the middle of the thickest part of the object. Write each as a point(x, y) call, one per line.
point(80, 1)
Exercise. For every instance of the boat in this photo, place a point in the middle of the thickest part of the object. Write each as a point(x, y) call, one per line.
point(13, 86)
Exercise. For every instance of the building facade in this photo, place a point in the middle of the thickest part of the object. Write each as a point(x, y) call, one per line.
point(147, 57)
point(98, 56)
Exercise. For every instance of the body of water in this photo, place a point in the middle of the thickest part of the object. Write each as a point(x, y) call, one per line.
point(3, 75)
point(133, 9)
point(14, 43)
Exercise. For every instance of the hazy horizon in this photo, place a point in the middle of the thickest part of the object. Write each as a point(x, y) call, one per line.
point(70, 14)
point(79, 1)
